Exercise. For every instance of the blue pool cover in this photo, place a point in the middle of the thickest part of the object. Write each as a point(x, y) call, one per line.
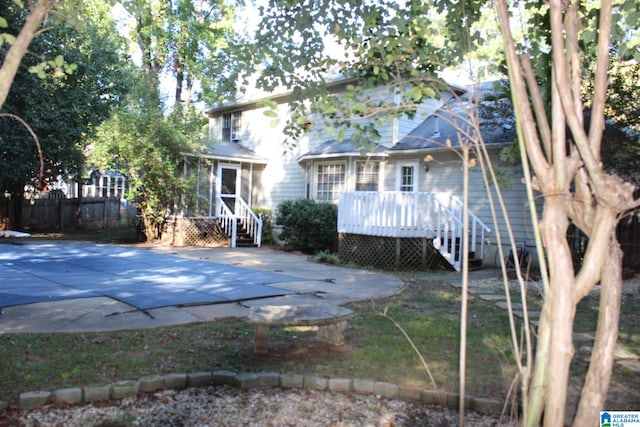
point(31, 273)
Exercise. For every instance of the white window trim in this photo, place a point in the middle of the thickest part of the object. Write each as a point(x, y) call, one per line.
point(378, 177)
point(238, 168)
point(233, 136)
point(316, 167)
point(416, 172)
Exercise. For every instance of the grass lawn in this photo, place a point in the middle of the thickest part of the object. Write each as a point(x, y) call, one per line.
point(428, 310)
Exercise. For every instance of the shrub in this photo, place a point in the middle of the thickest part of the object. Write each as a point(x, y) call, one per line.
point(308, 226)
point(327, 257)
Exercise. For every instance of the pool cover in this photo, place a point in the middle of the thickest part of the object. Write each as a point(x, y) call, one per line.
point(31, 273)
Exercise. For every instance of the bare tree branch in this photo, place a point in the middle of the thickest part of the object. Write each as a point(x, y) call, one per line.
point(18, 49)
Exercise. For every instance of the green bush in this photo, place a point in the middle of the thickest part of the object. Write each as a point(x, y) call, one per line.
point(308, 226)
point(328, 257)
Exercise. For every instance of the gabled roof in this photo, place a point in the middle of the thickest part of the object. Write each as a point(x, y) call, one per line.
point(452, 123)
point(345, 148)
point(233, 152)
point(253, 97)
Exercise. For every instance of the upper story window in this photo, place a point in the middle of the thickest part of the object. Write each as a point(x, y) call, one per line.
point(367, 175)
point(330, 180)
point(231, 126)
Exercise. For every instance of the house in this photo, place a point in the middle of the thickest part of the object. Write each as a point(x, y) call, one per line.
point(398, 199)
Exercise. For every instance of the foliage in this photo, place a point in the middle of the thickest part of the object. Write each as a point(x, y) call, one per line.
point(139, 141)
point(387, 54)
point(328, 257)
point(183, 39)
point(60, 111)
point(267, 226)
point(621, 138)
point(308, 225)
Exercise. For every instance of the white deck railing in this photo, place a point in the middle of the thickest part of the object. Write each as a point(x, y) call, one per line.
point(252, 223)
point(243, 214)
point(419, 215)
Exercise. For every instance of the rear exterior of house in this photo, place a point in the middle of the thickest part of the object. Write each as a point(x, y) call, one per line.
point(249, 165)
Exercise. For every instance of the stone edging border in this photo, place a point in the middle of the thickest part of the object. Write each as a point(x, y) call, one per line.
point(149, 384)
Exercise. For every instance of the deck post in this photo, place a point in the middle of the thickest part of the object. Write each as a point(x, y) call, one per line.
point(423, 260)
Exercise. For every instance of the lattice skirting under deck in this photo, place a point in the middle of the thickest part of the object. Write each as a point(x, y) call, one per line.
point(195, 232)
point(389, 253)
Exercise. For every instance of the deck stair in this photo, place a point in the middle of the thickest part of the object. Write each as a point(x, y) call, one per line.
point(241, 224)
point(475, 263)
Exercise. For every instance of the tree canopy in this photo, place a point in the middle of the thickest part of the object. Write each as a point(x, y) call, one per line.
point(140, 141)
point(181, 38)
point(62, 109)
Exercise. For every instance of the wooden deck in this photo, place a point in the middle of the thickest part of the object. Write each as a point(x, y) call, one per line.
point(412, 215)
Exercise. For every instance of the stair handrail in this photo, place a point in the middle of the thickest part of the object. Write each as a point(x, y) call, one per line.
point(228, 221)
point(449, 227)
point(252, 222)
point(475, 223)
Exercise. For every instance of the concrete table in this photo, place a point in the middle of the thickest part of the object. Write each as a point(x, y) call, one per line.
point(330, 319)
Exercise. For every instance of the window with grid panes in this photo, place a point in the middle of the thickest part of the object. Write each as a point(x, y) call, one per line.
point(407, 177)
point(330, 180)
point(231, 126)
point(367, 175)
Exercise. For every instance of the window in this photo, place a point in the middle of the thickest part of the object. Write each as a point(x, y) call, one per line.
point(231, 126)
point(330, 181)
point(406, 178)
point(367, 176)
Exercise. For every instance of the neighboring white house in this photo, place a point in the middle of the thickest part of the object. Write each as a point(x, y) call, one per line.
point(405, 189)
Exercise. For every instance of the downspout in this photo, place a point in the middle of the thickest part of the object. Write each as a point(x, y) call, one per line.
point(250, 201)
point(211, 189)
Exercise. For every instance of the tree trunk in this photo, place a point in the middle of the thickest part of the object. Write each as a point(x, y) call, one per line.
point(554, 226)
point(179, 83)
point(19, 47)
point(594, 391)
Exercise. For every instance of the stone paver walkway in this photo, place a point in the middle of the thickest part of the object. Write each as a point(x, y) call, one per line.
point(481, 286)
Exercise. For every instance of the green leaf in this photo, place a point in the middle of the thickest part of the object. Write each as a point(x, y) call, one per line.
point(271, 113)
point(59, 61)
point(329, 130)
point(19, 3)
point(416, 93)
point(38, 70)
point(359, 108)
point(9, 38)
point(70, 68)
point(3, 22)
point(268, 103)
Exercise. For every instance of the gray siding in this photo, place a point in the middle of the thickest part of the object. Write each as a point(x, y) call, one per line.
point(445, 176)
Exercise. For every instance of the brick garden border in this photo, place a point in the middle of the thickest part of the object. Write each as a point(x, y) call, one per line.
point(149, 384)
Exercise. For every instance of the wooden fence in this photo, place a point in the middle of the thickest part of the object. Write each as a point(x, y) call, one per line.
point(49, 215)
point(628, 235)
